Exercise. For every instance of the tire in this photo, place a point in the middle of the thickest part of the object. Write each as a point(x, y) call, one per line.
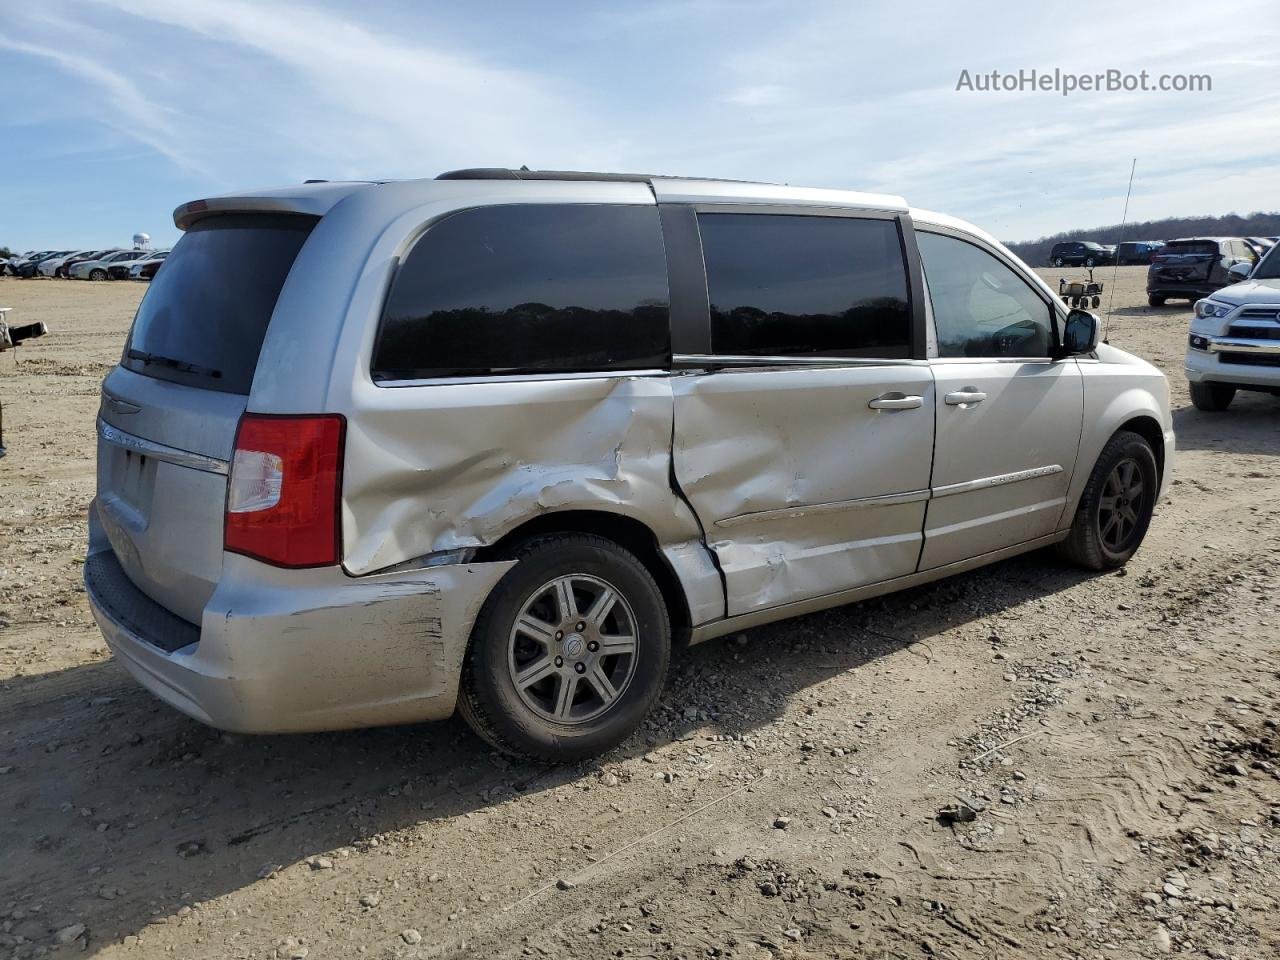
point(1057, 262)
point(1154, 301)
point(97, 274)
point(529, 722)
point(1212, 397)
point(1090, 262)
point(1096, 541)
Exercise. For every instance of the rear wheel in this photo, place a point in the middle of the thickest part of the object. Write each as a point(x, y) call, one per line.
point(1212, 397)
point(97, 274)
point(1057, 261)
point(569, 652)
point(1115, 509)
point(1154, 300)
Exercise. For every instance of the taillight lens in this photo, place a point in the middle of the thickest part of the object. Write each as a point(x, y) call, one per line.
point(284, 489)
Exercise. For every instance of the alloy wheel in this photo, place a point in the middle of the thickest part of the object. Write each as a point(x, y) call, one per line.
point(572, 650)
point(1121, 505)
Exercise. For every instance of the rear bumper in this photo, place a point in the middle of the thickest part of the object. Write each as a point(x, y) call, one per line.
point(289, 651)
point(1196, 290)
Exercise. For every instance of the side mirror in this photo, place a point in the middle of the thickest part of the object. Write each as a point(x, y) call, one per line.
point(1240, 271)
point(1080, 333)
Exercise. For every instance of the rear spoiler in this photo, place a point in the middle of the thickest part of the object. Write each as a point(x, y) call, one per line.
point(310, 200)
point(189, 213)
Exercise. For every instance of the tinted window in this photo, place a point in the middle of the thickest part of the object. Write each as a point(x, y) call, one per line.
point(203, 318)
point(805, 286)
point(1198, 247)
point(529, 288)
point(981, 308)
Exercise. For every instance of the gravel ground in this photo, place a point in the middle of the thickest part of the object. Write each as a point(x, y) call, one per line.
point(1105, 747)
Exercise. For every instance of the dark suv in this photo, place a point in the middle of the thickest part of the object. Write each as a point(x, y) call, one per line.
point(1080, 253)
point(1194, 267)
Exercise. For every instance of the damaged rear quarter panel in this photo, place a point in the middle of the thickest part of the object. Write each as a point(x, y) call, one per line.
point(450, 465)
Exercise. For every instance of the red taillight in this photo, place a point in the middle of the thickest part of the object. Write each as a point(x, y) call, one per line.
point(284, 488)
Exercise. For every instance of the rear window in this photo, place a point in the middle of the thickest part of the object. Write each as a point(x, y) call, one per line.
point(806, 286)
point(205, 315)
point(1206, 247)
point(528, 288)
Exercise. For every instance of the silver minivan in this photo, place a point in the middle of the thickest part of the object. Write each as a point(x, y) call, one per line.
point(498, 440)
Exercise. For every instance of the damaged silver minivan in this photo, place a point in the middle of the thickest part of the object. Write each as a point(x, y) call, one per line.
point(497, 440)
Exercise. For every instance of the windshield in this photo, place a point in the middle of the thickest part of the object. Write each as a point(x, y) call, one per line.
point(203, 320)
point(1269, 268)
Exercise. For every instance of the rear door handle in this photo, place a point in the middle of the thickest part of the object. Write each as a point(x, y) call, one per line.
point(896, 401)
point(962, 397)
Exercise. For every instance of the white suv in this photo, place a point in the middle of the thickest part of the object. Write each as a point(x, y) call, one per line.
point(1234, 342)
point(498, 440)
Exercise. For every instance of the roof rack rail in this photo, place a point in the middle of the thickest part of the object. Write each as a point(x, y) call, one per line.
point(524, 173)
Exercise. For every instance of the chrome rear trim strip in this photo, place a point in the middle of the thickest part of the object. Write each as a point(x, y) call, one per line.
point(148, 448)
point(834, 506)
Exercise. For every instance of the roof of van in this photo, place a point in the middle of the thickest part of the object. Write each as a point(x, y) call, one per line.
point(319, 196)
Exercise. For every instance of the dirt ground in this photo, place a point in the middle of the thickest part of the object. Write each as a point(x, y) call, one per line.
point(1116, 734)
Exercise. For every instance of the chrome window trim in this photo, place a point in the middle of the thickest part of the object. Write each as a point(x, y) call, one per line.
point(149, 448)
point(481, 378)
point(975, 360)
point(704, 360)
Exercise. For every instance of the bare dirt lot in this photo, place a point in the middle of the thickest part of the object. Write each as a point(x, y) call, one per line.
point(1116, 734)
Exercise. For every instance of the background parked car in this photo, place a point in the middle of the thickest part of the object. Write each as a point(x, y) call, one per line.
point(1261, 245)
point(64, 268)
point(97, 269)
point(146, 270)
point(28, 268)
point(120, 269)
point(1194, 267)
point(49, 265)
point(1080, 253)
point(1137, 251)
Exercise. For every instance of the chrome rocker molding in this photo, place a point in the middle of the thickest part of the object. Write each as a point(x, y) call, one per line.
point(718, 628)
point(1000, 480)
point(159, 451)
point(890, 499)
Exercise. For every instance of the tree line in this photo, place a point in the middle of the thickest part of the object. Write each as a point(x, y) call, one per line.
point(1036, 252)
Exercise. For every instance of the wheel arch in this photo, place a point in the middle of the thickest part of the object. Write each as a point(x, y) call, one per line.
point(627, 532)
point(1147, 427)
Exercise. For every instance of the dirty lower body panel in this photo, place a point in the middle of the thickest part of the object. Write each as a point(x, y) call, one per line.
point(323, 651)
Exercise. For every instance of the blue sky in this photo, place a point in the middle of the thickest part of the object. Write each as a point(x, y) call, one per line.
point(119, 110)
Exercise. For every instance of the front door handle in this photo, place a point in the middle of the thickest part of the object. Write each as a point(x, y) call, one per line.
point(896, 401)
point(962, 398)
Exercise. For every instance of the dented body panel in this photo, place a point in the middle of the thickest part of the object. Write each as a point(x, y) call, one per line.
point(801, 487)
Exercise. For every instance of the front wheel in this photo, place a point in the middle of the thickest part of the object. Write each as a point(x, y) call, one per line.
point(1116, 506)
point(1212, 397)
point(1057, 262)
point(1090, 262)
point(569, 652)
point(97, 274)
point(1155, 301)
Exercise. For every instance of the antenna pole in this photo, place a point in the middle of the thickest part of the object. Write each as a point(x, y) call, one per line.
point(1115, 268)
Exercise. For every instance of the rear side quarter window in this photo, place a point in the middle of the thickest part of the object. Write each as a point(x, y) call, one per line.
point(528, 288)
point(806, 286)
